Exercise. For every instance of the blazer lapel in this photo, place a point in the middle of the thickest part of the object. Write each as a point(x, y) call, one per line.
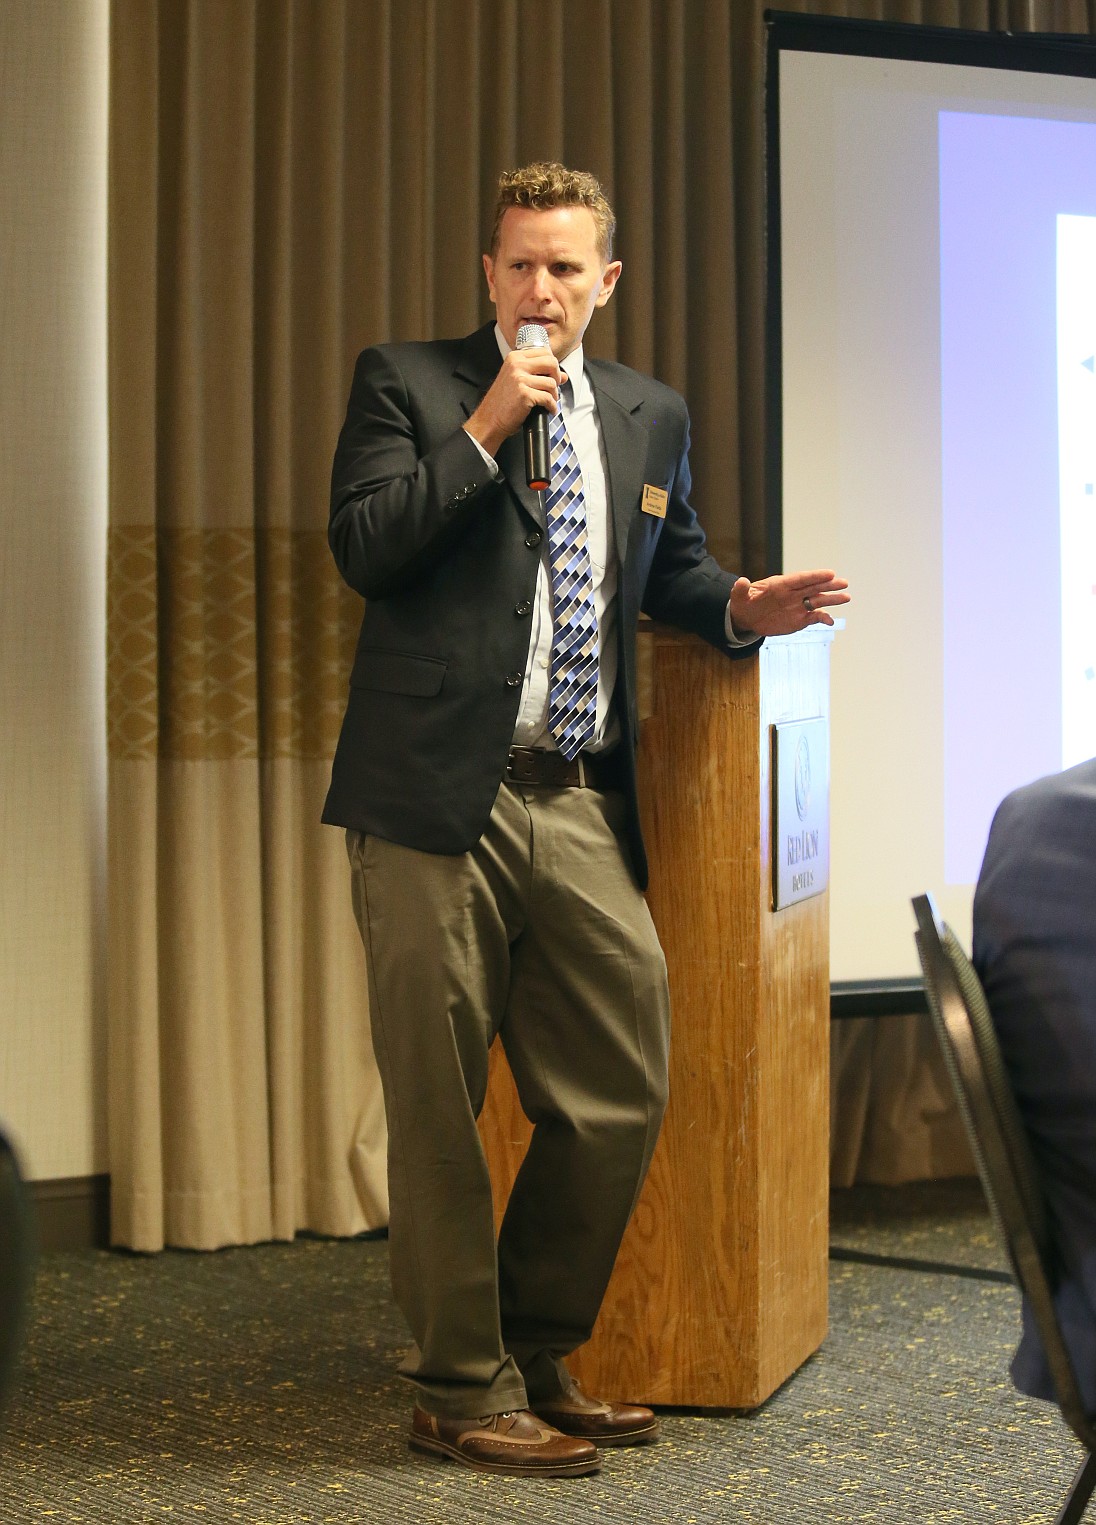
point(478, 363)
point(625, 441)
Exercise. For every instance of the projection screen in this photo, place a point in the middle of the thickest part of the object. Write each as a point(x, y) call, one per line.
point(932, 412)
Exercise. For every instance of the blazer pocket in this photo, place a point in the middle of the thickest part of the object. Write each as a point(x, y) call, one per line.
point(397, 672)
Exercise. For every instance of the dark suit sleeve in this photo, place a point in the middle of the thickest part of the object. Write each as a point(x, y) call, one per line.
point(1035, 950)
point(686, 586)
point(398, 499)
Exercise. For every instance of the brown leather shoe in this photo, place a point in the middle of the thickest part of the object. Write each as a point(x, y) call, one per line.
point(517, 1443)
point(609, 1424)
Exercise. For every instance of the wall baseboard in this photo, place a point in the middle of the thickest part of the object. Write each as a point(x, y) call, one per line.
point(71, 1213)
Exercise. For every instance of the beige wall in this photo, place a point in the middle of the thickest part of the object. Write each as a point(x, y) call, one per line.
point(53, 137)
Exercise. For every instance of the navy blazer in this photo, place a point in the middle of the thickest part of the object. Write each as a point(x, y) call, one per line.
point(1035, 950)
point(446, 558)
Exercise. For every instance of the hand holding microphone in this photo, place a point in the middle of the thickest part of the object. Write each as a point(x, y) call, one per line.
point(529, 372)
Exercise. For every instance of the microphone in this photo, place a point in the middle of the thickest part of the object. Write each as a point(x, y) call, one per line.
point(538, 451)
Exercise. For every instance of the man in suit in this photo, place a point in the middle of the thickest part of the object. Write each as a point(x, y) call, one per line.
point(1035, 951)
point(486, 775)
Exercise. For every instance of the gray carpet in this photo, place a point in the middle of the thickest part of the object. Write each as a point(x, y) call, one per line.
point(259, 1385)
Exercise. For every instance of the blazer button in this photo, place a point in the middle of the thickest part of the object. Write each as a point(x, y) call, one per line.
point(513, 679)
point(533, 539)
point(525, 607)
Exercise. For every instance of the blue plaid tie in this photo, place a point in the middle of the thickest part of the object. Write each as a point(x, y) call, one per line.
point(572, 687)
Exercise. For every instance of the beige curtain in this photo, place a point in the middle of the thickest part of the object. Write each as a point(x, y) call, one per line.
point(290, 180)
point(893, 1116)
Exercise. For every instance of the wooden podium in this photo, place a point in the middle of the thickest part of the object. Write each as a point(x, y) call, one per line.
point(719, 1291)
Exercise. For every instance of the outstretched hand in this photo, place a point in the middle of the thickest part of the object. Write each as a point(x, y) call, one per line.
point(785, 603)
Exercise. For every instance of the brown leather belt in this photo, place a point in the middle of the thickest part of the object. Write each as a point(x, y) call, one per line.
point(536, 765)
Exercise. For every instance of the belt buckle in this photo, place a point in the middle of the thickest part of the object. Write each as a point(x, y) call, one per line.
point(521, 765)
point(582, 783)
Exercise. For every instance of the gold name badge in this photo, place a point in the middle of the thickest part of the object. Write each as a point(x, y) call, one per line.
point(654, 501)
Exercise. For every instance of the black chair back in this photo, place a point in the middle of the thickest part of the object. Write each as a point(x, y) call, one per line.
point(16, 1260)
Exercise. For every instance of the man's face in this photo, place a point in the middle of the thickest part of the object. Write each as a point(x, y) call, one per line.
point(548, 270)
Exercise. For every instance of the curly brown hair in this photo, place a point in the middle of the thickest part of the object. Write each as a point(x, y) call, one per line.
point(546, 186)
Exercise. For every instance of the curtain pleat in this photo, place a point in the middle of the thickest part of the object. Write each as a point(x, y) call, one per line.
point(291, 180)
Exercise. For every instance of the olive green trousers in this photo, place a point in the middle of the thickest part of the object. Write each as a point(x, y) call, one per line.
point(537, 935)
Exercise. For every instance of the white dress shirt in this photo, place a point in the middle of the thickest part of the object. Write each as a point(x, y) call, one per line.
point(584, 430)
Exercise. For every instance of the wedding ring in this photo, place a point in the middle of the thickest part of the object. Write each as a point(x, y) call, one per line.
point(808, 605)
